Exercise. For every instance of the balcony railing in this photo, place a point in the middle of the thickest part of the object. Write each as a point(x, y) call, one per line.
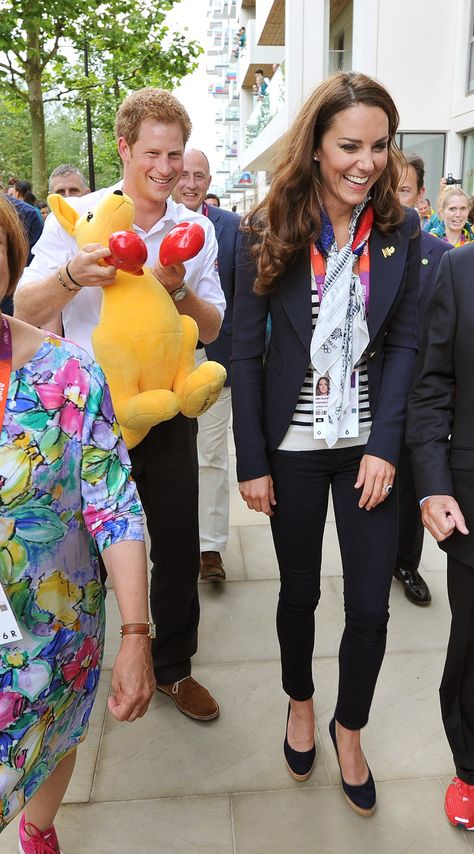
point(219, 90)
point(339, 60)
point(267, 106)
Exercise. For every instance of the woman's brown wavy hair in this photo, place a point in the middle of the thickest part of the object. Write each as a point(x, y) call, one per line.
point(17, 245)
point(288, 218)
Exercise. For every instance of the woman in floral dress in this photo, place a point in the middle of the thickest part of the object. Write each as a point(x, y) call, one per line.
point(65, 493)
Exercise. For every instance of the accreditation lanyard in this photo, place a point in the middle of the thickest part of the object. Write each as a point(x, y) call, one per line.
point(5, 366)
point(318, 264)
point(9, 628)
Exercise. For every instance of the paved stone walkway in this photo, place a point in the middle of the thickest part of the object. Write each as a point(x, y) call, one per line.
point(169, 785)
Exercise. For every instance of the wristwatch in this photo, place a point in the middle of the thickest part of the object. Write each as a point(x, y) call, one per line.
point(179, 293)
point(147, 629)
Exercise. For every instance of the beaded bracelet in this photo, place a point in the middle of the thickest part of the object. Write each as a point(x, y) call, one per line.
point(64, 284)
point(72, 279)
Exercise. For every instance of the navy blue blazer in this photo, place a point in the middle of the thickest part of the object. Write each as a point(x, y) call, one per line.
point(226, 225)
point(441, 405)
point(265, 392)
point(432, 250)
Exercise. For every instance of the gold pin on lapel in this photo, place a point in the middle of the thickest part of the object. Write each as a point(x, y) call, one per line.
point(387, 251)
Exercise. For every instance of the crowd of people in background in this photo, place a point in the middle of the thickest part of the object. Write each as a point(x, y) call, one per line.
point(451, 220)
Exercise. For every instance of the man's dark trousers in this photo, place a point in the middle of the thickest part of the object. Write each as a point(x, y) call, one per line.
point(457, 685)
point(165, 469)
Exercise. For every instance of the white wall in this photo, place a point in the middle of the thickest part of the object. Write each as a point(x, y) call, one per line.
point(416, 47)
point(309, 47)
point(365, 31)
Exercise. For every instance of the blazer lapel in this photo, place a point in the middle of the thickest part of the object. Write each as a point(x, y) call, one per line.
point(387, 263)
point(294, 291)
point(217, 222)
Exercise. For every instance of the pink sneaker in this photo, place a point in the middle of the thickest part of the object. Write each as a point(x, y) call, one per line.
point(459, 804)
point(33, 841)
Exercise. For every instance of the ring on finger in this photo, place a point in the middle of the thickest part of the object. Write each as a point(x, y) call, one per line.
point(387, 488)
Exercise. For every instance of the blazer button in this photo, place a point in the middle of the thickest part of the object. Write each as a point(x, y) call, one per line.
point(372, 354)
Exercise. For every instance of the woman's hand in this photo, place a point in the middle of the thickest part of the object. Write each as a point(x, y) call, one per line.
point(374, 475)
point(133, 680)
point(258, 494)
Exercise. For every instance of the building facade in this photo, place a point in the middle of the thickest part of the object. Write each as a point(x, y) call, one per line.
point(422, 52)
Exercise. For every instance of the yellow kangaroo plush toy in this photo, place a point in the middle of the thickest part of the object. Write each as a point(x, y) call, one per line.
point(143, 345)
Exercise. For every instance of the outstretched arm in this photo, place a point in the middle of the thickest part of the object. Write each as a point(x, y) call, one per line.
point(133, 682)
point(41, 301)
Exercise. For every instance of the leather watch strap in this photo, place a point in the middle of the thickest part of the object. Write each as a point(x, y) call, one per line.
point(147, 629)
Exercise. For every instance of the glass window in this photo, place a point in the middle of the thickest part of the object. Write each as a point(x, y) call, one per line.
point(470, 76)
point(430, 146)
point(468, 164)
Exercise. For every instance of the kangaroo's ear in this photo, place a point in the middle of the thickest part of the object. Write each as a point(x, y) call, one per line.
point(64, 213)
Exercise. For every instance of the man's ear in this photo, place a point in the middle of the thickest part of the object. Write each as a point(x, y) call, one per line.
point(64, 213)
point(123, 148)
point(420, 196)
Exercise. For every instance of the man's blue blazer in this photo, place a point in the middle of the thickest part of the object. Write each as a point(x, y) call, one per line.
point(226, 225)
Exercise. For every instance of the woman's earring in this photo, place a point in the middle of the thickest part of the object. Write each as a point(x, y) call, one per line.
point(315, 157)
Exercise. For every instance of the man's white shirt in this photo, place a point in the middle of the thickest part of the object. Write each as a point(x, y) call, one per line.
point(55, 247)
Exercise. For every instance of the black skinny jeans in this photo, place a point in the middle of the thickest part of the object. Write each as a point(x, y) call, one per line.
point(367, 540)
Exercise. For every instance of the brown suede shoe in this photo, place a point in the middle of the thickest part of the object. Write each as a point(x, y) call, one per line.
point(192, 699)
point(212, 568)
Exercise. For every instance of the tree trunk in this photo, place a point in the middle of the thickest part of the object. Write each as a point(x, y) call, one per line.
point(35, 102)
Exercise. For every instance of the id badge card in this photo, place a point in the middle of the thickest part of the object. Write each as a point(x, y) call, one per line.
point(9, 628)
point(349, 423)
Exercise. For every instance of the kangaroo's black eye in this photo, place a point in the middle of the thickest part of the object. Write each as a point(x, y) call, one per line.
point(89, 216)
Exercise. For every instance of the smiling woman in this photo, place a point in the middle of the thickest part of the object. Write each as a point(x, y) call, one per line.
point(454, 210)
point(333, 258)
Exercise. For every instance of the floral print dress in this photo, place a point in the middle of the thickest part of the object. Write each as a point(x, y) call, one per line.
point(65, 492)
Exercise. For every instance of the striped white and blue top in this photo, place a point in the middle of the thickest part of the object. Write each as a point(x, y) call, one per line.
point(299, 436)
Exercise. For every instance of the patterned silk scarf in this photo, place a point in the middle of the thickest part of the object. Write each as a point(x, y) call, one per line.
point(341, 335)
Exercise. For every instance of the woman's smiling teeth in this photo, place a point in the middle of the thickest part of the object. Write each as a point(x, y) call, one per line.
point(356, 180)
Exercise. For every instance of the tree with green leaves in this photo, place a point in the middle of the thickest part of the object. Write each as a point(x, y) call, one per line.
point(129, 46)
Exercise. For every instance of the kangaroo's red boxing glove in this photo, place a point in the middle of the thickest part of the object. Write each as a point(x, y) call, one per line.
point(129, 252)
point(183, 242)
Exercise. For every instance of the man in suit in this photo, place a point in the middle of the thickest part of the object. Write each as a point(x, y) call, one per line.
point(440, 435)
point(410, 536)
point(213, 425)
